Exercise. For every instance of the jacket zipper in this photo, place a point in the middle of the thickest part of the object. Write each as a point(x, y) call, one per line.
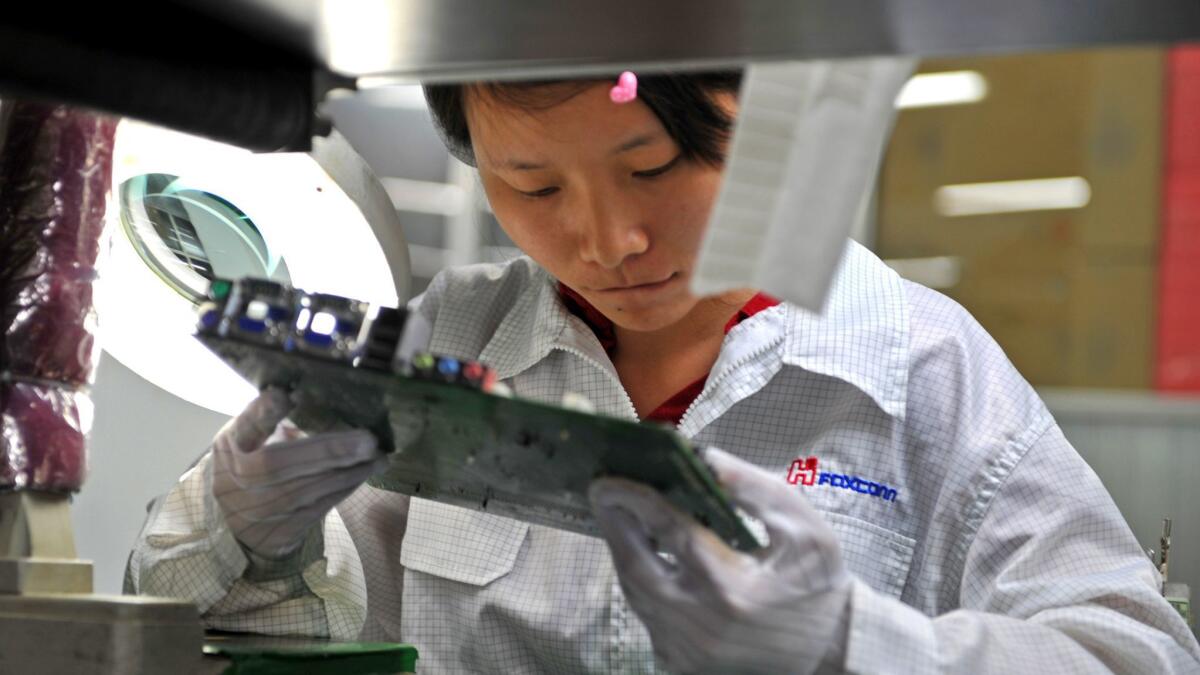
point(713, 383)
point(613, 378)
point(620, 631)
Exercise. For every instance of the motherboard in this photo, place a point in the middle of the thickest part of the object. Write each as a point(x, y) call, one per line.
point(454, 434)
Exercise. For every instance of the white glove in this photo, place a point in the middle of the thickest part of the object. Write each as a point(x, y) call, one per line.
point(274, 484)
point(782, 609)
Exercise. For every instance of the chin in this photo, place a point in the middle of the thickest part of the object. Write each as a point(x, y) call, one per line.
point(649, 319)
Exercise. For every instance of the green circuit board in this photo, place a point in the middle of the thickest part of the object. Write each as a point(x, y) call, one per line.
point(509, 456)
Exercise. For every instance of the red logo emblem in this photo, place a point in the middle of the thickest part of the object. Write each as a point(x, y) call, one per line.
point(803, 471)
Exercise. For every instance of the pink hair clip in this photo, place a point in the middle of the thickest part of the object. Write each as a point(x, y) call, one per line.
point(626, 89)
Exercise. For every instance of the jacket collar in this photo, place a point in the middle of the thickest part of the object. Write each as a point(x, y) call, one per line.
point(538, 324)
point(862, 336)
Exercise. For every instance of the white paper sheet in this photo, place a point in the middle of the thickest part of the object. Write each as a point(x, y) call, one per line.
point(806, 150)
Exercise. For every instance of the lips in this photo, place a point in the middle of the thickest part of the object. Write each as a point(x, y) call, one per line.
point(647, 285)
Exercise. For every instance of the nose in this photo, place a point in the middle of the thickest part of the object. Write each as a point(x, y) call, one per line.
point(612, 230)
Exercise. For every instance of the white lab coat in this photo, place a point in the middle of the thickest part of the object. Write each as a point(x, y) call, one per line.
point(983, 540)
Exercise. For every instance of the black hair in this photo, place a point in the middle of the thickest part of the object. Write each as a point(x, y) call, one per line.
point(682, 102)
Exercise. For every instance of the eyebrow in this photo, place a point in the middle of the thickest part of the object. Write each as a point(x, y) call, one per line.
point(635, 142)
point(518, 165)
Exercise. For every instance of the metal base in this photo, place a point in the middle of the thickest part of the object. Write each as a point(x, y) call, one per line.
point(99, 635)
point(19, 576)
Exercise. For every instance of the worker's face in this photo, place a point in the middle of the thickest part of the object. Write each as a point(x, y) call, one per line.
point(598, 194)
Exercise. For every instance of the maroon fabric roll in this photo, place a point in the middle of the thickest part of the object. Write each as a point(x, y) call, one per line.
point(44, 446)
point(55, 176)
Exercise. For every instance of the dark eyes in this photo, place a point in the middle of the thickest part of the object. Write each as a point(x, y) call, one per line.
point(544, 192)
point(658, 171)
point(648, 173)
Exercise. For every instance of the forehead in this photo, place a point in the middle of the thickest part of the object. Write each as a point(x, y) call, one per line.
point(568, 117)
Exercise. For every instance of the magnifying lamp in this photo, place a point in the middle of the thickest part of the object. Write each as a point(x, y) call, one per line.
point(186, 209)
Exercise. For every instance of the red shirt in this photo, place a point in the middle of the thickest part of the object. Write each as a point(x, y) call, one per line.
point(673, 408)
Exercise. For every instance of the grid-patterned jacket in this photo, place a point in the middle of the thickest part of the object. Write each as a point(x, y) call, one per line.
point(984, 541)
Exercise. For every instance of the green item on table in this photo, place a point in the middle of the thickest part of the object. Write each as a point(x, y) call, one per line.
point(284, 656)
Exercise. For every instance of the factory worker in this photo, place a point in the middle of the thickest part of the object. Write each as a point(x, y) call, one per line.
point(924, 512)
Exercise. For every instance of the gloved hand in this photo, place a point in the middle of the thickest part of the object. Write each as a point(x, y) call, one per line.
point(781, 609)
point(274, 484)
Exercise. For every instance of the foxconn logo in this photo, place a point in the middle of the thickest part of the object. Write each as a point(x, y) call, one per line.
point(804, 472)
